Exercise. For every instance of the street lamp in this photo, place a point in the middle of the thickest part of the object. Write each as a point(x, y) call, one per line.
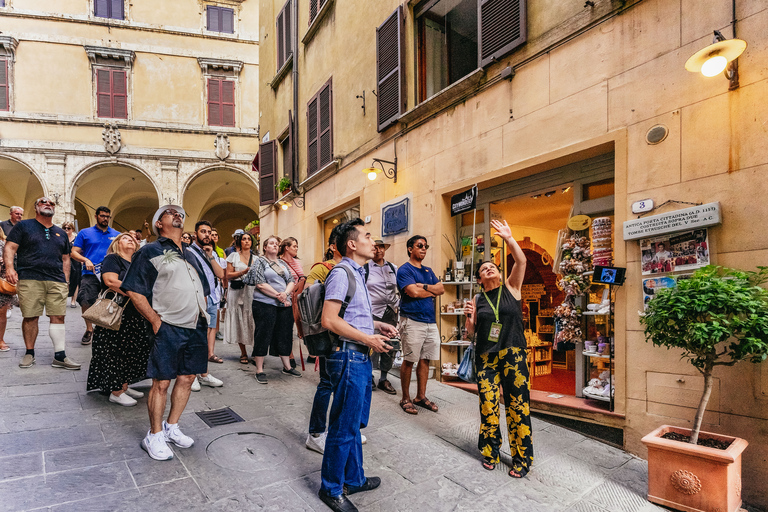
point(390, 173)
point(718, 57)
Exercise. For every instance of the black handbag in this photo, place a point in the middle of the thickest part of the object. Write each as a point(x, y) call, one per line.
point(238, 284)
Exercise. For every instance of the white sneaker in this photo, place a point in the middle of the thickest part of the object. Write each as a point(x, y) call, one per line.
point(133, 393)
point(156, 447)
point(122, 399)
point(316, 444)
point(365, 439)
point(195, 385)
point(174, 435)
point(210, 380)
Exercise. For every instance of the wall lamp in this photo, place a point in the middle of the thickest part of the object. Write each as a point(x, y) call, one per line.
point(717, 58)
point(297, 201)
point(390, 173)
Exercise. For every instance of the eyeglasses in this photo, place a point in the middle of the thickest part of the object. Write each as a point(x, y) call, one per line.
point(173, 213)
point(105, 216)
point(422, 246)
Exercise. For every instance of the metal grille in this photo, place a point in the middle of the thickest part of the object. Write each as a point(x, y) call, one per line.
point(219, 417)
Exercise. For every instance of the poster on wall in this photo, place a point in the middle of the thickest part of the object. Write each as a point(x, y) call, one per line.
point(652, 285)
point(679, 251)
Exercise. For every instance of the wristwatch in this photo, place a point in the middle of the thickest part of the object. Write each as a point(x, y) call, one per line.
point(426, 287)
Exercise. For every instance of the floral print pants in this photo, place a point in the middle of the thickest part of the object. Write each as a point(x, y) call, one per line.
point(505, 370)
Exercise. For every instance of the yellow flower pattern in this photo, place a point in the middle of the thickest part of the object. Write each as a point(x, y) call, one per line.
point(505, 370)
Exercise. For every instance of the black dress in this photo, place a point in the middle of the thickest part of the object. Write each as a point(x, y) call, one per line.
point(119, 356)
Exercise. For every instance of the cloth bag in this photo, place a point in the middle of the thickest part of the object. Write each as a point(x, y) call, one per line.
point(466, 369)
point(105, 312)
point(7, 288)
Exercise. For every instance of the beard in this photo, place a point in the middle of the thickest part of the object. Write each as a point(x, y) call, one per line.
point(177, 223)
point(46, 211)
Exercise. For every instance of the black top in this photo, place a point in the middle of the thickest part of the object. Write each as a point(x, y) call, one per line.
point(510, 317)
point(39, 257)
point(116, 264)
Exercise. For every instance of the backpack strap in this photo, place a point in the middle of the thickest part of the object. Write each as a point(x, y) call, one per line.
point(351, 289)
point(367, 271)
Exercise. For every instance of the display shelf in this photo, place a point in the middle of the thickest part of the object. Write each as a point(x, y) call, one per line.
point(597, 397)
point(594, 313)
point(456, 343)
point(451, 355)
point(595, 354)
point(457, 283)
point(452, 314)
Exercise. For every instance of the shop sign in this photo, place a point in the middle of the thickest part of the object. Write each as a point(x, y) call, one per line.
point(679, 220)
point(394, 217)
point(579, 222)
point(464, 202)
point(532, 292)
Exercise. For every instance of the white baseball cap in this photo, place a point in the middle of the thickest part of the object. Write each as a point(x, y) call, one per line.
point(160, 211)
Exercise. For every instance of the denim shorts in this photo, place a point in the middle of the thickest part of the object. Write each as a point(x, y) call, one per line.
point(178, 351)
point(213, 310)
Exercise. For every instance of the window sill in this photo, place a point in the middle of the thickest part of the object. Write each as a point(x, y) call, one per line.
point(282, 72)
point(317, 178)
point(315, 25)
point(444, 98)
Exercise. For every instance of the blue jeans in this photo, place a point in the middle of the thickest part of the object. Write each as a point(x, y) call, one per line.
point(350, 374)
point(321, 401)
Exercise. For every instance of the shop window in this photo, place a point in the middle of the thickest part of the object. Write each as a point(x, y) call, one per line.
point(113, 9)
point(284, 46)
point(112, 93)
point(220, 19)
point(267, 172)
point(5, 97)
point(221, 102)
point(320, 129)
point(597, 189)
point(390, 75)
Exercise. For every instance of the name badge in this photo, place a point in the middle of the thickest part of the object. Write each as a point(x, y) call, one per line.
point(495, 332)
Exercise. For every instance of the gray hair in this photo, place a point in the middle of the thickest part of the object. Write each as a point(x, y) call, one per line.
point(16, 208)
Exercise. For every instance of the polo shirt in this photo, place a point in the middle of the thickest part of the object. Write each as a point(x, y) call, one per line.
point(7, 226)
point(93, 244)
point(358, 313)
point(41, 250)
point(421, 310)
point(382, 287)
point(173, 282)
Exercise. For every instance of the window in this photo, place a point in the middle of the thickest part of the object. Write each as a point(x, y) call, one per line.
point(221, 102)
point(267, 171)
point(455, 37)
point(287, 146)
point(5, 97)
point(220, 19)
point(389, 70)
point(320, 130)
point(284, 41)
point(111, 93)
point(314, 8)
point(109, 9)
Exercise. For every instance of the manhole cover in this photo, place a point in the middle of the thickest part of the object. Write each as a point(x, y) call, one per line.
point(246, 451)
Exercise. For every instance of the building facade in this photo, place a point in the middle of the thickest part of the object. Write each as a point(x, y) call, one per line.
point(130, 105)
point(553, 109)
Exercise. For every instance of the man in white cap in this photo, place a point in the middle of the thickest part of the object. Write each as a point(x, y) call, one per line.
point(169, 288)
point(229, 250)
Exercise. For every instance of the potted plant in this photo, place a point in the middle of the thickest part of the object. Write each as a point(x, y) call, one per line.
point(717, 317)
point(284, 185)
point(253, 227)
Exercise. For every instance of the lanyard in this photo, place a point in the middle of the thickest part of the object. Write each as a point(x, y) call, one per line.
point(498, 301)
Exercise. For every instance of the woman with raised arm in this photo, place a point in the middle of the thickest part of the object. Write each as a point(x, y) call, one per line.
point(496, 316)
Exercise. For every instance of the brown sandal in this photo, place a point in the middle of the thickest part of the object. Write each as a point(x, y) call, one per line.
point(215, 359)
point(243, 359)
point(408, 407)
point(426, 404)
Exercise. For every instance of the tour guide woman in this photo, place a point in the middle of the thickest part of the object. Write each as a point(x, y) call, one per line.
point(496, 316)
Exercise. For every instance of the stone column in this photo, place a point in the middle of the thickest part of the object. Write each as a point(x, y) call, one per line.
point(169, 181)
point(55, 174)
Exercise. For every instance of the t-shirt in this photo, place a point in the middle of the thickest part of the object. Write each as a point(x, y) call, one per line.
point(6, 226)
point(39, 257)
point(421, 310)
point(319, 272)
point(264, 273)
point(93, 244)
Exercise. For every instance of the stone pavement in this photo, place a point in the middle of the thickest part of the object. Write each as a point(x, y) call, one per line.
point(62, 449)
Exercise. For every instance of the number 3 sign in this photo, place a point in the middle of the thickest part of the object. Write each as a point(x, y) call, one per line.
point(646, 205)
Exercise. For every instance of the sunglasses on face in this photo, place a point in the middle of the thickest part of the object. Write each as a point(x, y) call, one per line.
point(422, 246)
point(45, 201)
point(68, 229)
point(105, 216)
point(172, 213)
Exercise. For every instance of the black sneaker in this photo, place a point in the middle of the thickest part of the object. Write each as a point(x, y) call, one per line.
point(293, 372)
point(87, 338)
point(261, 378)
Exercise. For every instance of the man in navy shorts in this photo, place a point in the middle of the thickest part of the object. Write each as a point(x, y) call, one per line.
point(168, 287)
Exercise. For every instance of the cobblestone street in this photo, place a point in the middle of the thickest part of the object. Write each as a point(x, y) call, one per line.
point(62, 449)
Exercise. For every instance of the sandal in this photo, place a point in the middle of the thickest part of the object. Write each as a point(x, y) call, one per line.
point(518, 471)
point(426, 404)
point(4, 347)
point(490, 466)
point(215, 359)
point(243, 359)
point(408, 407)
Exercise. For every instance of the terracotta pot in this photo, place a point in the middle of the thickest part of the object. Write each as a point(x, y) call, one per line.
point(255, 230)
point(694, 478)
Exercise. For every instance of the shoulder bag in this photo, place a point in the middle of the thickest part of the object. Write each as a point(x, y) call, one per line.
point(105, 312)
point(7, 288)
point(239, 284)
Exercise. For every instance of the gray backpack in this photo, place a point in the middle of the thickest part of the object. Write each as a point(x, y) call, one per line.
point(319, 340)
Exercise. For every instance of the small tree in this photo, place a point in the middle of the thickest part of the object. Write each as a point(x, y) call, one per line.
point(718, 317)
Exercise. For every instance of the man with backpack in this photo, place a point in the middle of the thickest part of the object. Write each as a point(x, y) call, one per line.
point(349, 368)
point(381, 281)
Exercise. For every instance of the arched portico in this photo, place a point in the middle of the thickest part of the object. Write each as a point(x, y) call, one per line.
point(20, 185)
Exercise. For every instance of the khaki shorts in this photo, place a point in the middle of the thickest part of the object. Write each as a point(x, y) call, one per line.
point(419, 340)
point(36, 295)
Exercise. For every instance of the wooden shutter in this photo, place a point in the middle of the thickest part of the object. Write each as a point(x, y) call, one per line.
point(212, 14)
point(267, 168)
point(227, 20)
point(389, 70)
point(325, 129)
point(312, 141)
point(116, 9)
point(101, 8)
point(103, 93)
point(227, 103)
point(288, 41)
point(502, 28)
point(214, 102)
point(294, 168)
point(4, 96)
point(280, 39)
point(119, 95)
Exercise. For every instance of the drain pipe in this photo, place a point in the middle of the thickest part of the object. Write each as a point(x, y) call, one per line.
point(295, 76)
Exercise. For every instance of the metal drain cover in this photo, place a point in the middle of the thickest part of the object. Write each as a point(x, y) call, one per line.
point(219, 417)
point(247, 451)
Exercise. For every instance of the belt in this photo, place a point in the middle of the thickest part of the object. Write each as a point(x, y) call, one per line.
point(357, 347)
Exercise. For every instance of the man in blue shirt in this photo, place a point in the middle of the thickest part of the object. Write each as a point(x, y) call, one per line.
point(350, 370)
point(90, 248)
point(420, 337)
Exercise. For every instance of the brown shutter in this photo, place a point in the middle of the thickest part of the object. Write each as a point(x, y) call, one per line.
point(292, 169)
point(288, 41)
point(4, 98)
point(312, 141)
point(214, 102)
point(280, 39)
point(227, 20)
point(502, 28)
point(119, 95)
point(103, 93)
point(389, 70)
point(227, 103)
point(325, 121)
point(267, 172)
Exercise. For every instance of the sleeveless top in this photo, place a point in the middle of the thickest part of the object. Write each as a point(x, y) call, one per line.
point(510, 317)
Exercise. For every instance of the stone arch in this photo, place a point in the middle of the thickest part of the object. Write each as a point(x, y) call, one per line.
point(20, 185)
point(539, 271)
point(128, 190)
point(223, 194)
